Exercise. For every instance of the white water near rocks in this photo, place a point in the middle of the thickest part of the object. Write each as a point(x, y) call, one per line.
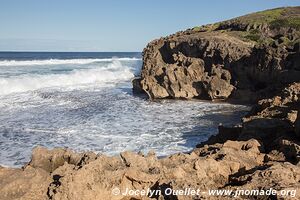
point(87, 105)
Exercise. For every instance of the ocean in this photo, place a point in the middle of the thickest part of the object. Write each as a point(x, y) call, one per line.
point(84, 101)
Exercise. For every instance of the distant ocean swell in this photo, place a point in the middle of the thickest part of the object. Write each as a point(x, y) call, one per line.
point(60, 61)
point(112, 72)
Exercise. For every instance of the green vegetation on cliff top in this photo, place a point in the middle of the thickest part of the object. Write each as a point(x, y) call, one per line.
point(278, 17)
point(249, 27)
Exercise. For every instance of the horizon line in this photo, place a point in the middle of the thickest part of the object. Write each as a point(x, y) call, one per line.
point(43, 51)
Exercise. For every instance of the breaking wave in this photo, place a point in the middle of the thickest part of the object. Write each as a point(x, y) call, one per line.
point(60, 61)
point(111, 73)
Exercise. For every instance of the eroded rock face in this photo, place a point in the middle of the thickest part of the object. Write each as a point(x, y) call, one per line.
point(186, 66)
point(273, 122)
point(275, 117)
point(220, 61)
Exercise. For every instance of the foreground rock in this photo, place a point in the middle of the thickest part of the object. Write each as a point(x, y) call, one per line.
point(244, 59)
point(62, 174)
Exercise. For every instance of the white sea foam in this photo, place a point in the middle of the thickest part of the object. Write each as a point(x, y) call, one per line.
point(111, 73)
point(71, 106)
point(106, 121)
point(60, 61)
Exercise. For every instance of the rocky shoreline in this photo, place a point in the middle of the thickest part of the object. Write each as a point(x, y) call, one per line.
point(237, 60)
point(263, 153)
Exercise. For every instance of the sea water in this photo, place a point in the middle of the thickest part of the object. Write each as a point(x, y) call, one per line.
point(84, 101)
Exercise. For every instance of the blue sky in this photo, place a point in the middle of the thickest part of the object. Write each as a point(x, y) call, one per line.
point(110, 25)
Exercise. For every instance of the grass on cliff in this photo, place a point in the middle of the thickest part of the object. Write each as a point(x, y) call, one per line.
point(293, 22)
point(276, 18)
point(261, 17)
point(251, 27)
point(253, 35)
point(206, 28)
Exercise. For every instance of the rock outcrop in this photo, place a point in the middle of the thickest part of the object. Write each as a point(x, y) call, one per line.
point(273, 122)
point(244, 59)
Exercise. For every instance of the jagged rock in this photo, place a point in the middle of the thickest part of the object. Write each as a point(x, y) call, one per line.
point(275, 156)
point(97, 178)
point(134, 160)
point(219, 88)
point(211, 166)
point(237, 59)
point(278, 176)
point(183, 71)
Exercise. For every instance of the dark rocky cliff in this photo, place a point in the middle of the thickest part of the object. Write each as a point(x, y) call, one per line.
point(244, 59)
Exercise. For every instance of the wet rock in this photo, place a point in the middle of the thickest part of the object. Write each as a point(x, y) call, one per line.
point(264, 129)
point(297, 125)
point(137, 87)
point(224, 133)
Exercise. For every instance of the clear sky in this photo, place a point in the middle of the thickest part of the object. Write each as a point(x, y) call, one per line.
point(110, 25)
